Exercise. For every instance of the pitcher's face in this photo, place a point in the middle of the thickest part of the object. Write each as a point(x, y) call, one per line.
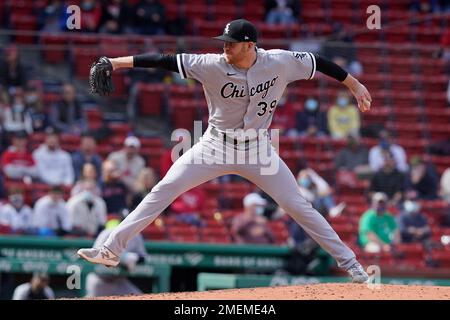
point(235, 51)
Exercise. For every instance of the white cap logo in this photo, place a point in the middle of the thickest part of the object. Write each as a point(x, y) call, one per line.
point(227, 28)
point(246, 38)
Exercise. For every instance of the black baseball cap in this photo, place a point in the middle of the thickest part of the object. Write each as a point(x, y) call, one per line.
point(240, 30)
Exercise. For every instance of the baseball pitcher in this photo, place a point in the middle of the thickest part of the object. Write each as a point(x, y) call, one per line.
point(242, 87)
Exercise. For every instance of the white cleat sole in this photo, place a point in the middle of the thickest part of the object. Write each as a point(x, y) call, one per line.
point(96, 261)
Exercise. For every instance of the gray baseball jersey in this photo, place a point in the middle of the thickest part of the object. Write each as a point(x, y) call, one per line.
point(237, 99)
point(245, 98)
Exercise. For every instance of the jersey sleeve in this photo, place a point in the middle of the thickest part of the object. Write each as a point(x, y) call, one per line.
point(196, 66)
point(299, 65)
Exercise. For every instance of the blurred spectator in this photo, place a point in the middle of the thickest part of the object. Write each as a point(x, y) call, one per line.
point(377, 227)
point(386, 143)
point(427, 6)
point(413, 225)
point(317, 191)
point(354, 156)
point(17, 161)
point(128, 161)
point(67, 115)
point(115, 16)
point(53, 18)
point(424, 179)
point(51, 216)
point(86, 154)
point(2, 188)
point(149, 17)
point(16, 117)
point(445, 48)
point(88, 173)
point(91, 11)
point(189, 205)
point(441, 147)
point(340, 49)
point(12, 72)
point(354, 67)
point(284, 118)
point(444, 185)
point(389, 180)
point(37, 289)
point(54, 164)
point(106, 285)
point(114, 191)
point(282, 12)
point(312, 121)
point(36, 109)
point(343, 117)
point(304, 256)
point(251, 226)
point(87, 211)
point(145, 182)
point(16, 214)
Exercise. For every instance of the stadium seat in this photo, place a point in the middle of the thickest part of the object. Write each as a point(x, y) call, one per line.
point(82, 60)
point(150, 99)
point(54, 50)
point(183, 113)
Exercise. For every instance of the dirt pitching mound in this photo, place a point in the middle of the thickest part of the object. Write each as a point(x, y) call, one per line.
point(329, 291)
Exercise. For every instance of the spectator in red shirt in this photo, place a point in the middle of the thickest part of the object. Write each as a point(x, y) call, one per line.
point(17, 161)
point(91, 13)
point(189, 205)
point(251, 226)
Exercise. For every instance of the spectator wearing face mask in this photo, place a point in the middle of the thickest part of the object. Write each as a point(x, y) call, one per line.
point(413, 225)
point(16, 117)
point(311, 121)
point(50, 214)
point(87, 211)
point(386, 143)
point(36, 108)
point(378, 229)
point(251, 226)
point(317, 191)
point(343, 117)
point(16, 214)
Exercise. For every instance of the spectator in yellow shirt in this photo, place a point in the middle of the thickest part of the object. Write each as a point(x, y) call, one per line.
point(343, 117)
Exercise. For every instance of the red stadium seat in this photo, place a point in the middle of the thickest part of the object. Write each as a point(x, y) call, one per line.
point(82, 59)
point(183, 113)
point(150, 99)
point(58, 53)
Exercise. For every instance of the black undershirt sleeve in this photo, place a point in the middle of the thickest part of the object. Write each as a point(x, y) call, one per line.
point(330, 68)
point(156, 60)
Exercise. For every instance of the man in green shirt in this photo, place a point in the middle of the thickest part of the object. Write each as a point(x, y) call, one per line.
point(377, 227)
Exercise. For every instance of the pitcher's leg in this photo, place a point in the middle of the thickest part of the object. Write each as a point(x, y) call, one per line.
point(283, 188)
point(182, 176)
